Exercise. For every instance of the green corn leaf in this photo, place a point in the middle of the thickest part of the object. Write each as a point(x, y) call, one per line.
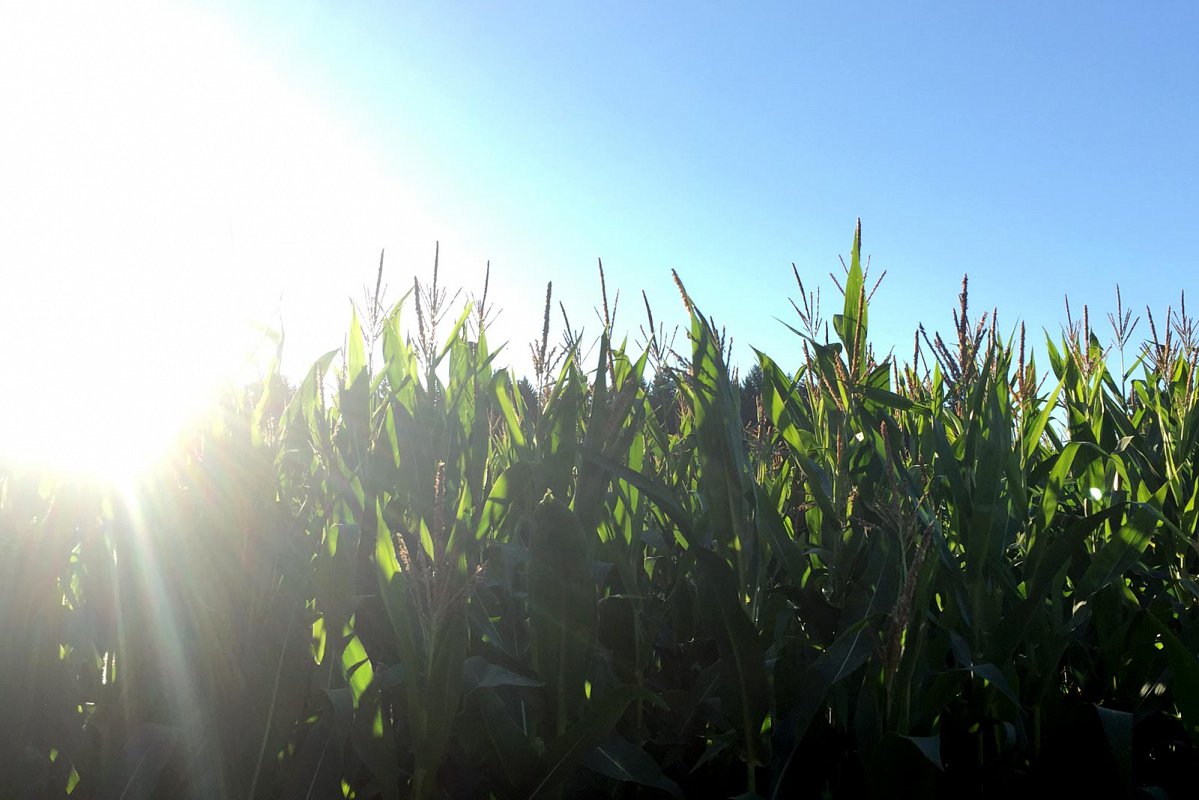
point(453, 336)
point(1059, 475)
point(621, 760)
point(514, 487)
point(491, 732)
point(374, 741)
point(477, 673)
point(1119, 553)
point(1032, 433)
point(788, 551)
point(562, 607)
point(1117, 727)
point(724, 476)
point(569, 749)
point(440, 701)
point(504, 395)
point(1184, 676)
point(356, 667)
point(929, 747)
point(852, 648)
point(400, 363)
point(1046, 560)
point(355, 351)
point(891, 400)
point(744, 693)
point(432, 657)
point(302, 408)
point(655, 491)
point(851, 323)
point(592, 480)
point(316, 768)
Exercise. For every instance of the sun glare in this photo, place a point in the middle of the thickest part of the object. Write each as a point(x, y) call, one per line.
point(101, 429)
point(158, 191)
point(112, 327)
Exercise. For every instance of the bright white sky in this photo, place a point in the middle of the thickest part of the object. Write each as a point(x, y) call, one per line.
point(164, 195)
point(175, 175)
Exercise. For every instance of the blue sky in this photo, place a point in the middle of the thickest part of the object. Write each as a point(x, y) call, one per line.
point(183, 174)
point(1043, 148)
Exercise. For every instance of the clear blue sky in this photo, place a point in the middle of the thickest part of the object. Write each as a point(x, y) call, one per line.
point(193, 167)
point(1043, 148)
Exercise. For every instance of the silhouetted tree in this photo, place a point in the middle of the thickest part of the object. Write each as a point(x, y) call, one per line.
point(528, 394)
point(664, 400)
point(751, 396)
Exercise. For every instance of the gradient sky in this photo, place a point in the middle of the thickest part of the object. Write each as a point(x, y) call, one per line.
point(1044, 148)
point(173, 175)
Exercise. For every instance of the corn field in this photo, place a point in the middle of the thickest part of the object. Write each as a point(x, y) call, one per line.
point(413, 576)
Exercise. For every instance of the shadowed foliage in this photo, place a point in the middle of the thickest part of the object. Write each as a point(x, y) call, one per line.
point(413, 576)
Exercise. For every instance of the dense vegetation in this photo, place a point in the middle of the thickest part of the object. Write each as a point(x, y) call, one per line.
point(411, 576)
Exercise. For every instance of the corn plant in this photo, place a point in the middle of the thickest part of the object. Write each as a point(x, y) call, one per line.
point(413, 575)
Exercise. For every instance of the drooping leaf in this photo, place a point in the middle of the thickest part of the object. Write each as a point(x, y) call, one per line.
point(566, 752)
point(479, 674)
point(624, 761)
point(929, 747)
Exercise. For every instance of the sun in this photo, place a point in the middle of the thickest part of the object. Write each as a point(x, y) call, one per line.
point(168, 191)
point(104, 443)
point(154, 189)
point(95, 415)
point(125, 303)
